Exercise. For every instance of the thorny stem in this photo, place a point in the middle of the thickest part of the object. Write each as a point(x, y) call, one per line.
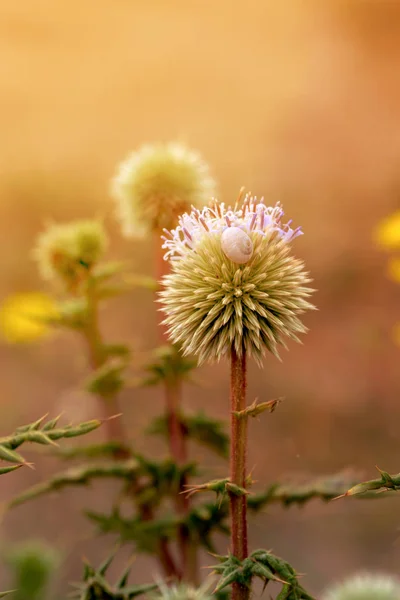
point(164, 554)
point(110, 407)
point(177, 441)
point(238, 467)
point(178, 449)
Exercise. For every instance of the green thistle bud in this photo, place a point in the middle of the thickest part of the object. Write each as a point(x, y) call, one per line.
point(69, 250)
point(366, 587)
point(182, 591)
point(234, 282)
point(156, 184)
point(32, 564)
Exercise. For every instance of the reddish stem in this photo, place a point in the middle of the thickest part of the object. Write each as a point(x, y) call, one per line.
point(178, 450)
point(238, 467)
point(114, 426)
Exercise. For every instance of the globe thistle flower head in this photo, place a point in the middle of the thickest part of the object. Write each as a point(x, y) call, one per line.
point(181, 591)
point(156, 184)
point(67, 251)
point(366, 587)
point(234, 282)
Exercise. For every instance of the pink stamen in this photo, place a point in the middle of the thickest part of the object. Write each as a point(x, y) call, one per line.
point(202, 221)
point(168, 233)
point(187, 234)
point(262, 218)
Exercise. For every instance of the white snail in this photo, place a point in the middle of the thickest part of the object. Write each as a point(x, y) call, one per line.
point(237, 245)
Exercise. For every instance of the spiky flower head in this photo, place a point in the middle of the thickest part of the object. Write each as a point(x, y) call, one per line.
point(156, 184)
point(181, 591)
point(234, 282)
point(366, 587)
point(68, 251)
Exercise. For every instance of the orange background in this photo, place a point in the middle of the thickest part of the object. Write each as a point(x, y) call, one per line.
point(299, 102)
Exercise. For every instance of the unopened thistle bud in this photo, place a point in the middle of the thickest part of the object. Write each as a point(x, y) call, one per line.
point(182, 591)
point(68, 250)
point(365, 587)
point(156, 184)
point(234, 282)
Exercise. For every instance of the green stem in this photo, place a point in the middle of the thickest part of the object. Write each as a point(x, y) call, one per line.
point(238, 467)
point(177, 441)
point(110, 407)
point(97, 359)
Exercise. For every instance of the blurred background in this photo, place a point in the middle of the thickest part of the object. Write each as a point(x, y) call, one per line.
point(298, 101)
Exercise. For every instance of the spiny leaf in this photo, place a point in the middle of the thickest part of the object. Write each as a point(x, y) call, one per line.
point(374, 486)
point(31, 426)
point(199, 427)
point(10, 455)
point(168, 365)
point(219, 486)
point(78, 476)
point(5, 470)
point(107, 380)
point(40, 433)
point(256, 408)
point(145, 534)
point(206, 519)
point(95, 586)
point(265, 566)
point(46, 435)
point(325, 488)
point(73, 314)
point(107, 449)
point(52, 424)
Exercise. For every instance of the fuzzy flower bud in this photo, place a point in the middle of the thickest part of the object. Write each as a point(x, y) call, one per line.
point(66, 251)
point(156, 184)
point(181, 591)
point(365, 587)
point(234, 282)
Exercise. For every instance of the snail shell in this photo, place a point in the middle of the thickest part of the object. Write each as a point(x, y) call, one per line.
point(236, 245)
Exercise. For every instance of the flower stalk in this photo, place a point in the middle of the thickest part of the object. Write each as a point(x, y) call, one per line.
point(97, 359)
point(238, 455)
point(177, 443)
point(110, 408)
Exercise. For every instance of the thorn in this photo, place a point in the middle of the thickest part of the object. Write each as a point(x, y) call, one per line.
point(341, 496)
point(112, 417)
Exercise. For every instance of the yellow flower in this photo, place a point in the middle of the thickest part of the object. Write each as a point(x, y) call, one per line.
point(387, 234)
point(396, 334)
point(393, 269)
point(23, 317)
